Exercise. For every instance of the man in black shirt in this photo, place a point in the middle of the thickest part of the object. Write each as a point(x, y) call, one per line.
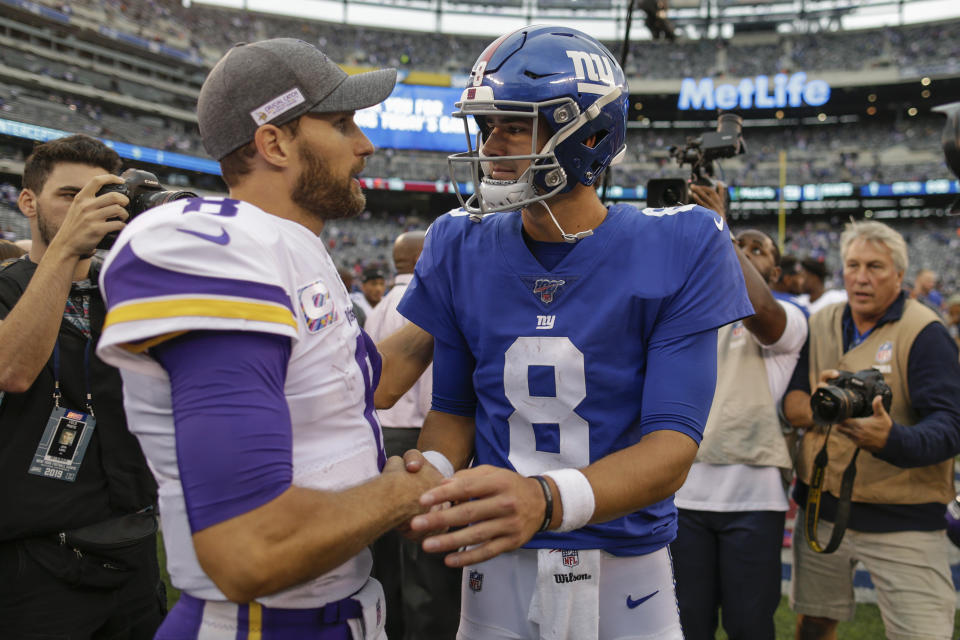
point(77, 537)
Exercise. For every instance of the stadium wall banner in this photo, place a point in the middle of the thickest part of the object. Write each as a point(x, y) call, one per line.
point(911, 188)
point(123, 149)
point(416, 117)
point(834, 190)
point(754, 93)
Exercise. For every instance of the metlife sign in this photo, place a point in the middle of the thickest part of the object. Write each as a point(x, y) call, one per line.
point(761, 92)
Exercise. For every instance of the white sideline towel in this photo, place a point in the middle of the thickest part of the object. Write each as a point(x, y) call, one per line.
point(566, 600)
point(371, 626)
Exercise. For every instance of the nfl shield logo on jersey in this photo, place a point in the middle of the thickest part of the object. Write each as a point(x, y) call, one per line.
point(570, 557)
point(476, 581)
point(546, 289)
point(885, 352)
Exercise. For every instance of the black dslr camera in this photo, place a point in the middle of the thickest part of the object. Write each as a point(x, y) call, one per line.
point(699, 153)
point(144, 191)
point(850, 395)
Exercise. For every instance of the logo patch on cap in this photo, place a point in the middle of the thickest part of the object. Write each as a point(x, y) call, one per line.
point(277, 107)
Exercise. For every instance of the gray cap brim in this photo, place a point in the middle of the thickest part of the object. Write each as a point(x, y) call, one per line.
point(358, 92)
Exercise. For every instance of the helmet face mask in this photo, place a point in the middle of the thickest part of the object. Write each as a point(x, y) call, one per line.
point(554, 75)
point(490, 194)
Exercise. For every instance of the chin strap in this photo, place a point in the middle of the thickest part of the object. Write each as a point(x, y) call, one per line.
point(567, 237)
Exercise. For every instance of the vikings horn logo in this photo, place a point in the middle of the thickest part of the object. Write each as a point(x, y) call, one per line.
point(546, 289)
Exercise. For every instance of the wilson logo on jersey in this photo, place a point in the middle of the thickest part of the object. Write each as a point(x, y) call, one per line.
point(593, 67)
point(547, 289)
point(317, 306)
point(546, 322)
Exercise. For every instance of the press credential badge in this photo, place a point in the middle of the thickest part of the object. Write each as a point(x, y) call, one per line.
point(63, 444)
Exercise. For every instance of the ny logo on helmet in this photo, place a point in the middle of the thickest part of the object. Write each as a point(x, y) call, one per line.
point(594, 67)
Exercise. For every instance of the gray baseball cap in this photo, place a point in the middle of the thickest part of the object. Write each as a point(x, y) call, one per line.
point(275, 81)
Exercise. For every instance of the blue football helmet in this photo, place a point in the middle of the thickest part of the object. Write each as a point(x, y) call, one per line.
point(566, 78)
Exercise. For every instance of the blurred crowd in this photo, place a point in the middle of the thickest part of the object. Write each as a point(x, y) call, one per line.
point(152, 104)
point(908, 149)
point(366, 241)
point(208, 31)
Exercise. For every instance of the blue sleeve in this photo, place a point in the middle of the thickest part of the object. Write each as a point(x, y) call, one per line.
point(428, 302)
point(800, 380)
point(679, 383)
point(713, 292)
point(933, 377)
point(231, 420)
point(453, 367)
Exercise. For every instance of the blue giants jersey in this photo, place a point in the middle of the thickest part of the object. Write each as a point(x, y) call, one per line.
point(561, 355)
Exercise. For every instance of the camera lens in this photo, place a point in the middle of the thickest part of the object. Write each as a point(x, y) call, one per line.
point(157, 198)
point(832, 404)
point(729, 123)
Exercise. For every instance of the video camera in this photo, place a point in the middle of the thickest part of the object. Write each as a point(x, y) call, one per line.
point(950, 140)
point(699, 153)
point(850, 395)
point(144, 191)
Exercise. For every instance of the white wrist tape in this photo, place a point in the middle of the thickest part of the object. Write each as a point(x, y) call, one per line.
point(576, 497)
point(440, 461)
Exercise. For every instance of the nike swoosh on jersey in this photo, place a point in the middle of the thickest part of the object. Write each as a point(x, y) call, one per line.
point(633, 604)
point(222, 239)
point(719, 223)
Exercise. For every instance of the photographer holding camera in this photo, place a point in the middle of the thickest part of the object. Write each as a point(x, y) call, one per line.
point(78, 542)
point(889, 386)
point(732, 505)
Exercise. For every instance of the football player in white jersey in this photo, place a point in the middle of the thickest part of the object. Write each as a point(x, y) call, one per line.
point(247, 379)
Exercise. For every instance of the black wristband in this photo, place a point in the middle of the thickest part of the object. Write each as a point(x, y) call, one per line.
point(548, 498)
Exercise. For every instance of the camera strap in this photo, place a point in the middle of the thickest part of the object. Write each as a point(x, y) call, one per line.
point(812, 511)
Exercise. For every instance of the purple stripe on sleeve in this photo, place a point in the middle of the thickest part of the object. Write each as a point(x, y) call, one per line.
point(130, 278)
point(368, 359)
point(243, 621)
point(231, 420)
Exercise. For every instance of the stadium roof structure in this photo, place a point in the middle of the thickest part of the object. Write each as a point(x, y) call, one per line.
point(606, 19)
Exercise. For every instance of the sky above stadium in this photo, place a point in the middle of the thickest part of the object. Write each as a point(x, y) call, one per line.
point(493, 25)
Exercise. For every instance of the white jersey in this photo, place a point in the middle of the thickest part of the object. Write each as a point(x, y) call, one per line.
point(742, 487)
point(220, 264)
point(830, 296)
point(411, 409)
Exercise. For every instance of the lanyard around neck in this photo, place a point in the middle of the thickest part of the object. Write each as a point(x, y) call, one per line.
point(57, 394)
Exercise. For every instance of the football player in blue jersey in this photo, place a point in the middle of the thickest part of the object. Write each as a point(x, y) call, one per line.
point(574, 355)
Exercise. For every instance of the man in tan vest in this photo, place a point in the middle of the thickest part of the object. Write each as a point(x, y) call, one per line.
point(732, 505)
point(905, 467)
